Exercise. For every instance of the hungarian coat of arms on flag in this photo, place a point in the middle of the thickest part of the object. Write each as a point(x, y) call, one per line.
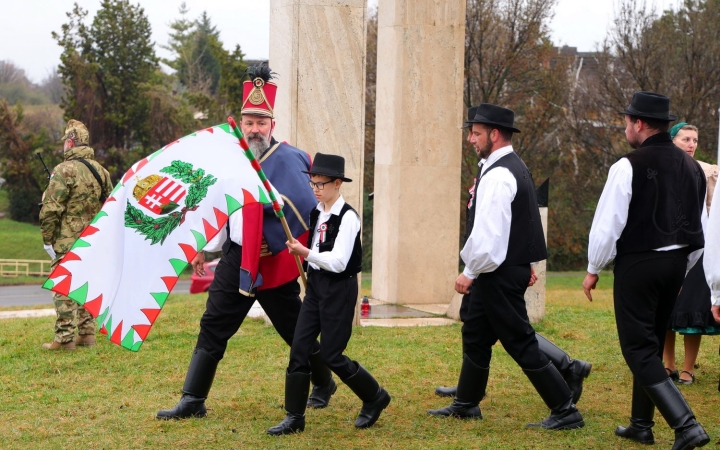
point(164, 211)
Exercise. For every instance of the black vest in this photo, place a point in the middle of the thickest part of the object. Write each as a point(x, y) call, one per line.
point(470, 213)
point(354, 265)
point(668, 193)
point(527, 241)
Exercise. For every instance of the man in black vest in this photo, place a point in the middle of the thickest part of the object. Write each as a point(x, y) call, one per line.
point(648, 220)
point(574, 371)
point(506, 238)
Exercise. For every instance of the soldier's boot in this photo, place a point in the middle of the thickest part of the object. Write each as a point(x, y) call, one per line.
point(85, 328)
point(673, 407)
point(641, 418)
point(375, 399)
point(55, 345)
point(297, 386)
point(574, 371)
point(323, 384)
point(470, 390)
point(85, 340)
point(197, 385)
point(555, 393)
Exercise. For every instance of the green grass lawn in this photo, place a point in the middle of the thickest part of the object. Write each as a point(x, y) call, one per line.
point(21, 241)
point(107, 397)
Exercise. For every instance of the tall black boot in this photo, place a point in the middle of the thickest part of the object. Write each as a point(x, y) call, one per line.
point(297, 386)
point(470, 390)
point(574, 371)
point(641, 415)
point(197, 385)
point(555, 393)
point(374, 397)
point(673, 407)
point(323, 384)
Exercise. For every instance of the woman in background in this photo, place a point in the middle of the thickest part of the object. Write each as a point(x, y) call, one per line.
point(691, 317)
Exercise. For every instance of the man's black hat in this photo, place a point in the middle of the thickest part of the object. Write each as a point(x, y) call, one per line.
point(650, 105)
point(496, 116)
point(332, 166)
point(471, 115)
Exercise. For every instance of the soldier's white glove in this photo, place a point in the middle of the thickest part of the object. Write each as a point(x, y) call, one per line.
point(50, 251)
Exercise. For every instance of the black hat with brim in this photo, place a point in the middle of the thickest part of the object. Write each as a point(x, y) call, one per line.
point(649, 105)
point(495, 116)
point(332, 166)
point(471, 115)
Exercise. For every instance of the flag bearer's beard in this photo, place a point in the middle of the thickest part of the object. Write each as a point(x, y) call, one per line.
point(258, 143)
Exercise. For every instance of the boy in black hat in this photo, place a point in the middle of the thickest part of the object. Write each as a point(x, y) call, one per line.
point(334, 258)
point(506, 238)
point(648, 220)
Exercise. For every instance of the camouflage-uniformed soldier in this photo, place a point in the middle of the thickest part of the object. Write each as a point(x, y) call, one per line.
point(70, 202)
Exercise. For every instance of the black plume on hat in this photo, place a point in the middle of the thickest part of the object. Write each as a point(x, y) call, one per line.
point(332, 166)
point(261, 71)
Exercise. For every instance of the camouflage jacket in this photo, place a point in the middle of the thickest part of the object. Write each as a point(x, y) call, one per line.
point(71, 199)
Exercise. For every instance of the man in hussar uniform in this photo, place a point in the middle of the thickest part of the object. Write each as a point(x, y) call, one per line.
point(255, 263)
point(77, 190)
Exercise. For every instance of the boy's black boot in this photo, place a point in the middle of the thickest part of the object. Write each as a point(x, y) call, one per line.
point(573, 371)
point(323, 384)
point(375, 399)
point(297, 386)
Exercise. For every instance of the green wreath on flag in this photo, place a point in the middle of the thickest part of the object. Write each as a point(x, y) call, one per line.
point(157, 230)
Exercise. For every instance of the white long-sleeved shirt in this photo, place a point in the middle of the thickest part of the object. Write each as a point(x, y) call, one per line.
point(611, 216)
point(335, 260)
point(711, 262)
point(487, 246)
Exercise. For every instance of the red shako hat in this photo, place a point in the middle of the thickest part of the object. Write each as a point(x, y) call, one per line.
point(259, 92)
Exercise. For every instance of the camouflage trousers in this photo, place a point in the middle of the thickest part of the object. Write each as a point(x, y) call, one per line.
point(70, 315)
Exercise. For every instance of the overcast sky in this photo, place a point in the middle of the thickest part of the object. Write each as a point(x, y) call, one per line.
point(26, 41)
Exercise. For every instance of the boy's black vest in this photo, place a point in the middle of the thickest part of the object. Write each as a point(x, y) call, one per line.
point(354, 265)
point(668, 193)
point(527, 241)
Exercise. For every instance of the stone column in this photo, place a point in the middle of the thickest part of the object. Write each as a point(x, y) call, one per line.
point(317, 48)
point(417, 150)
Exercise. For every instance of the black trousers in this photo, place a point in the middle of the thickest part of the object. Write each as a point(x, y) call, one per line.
point(328, 310)
point(226, 307)
point(496, 311)
point(646, 287)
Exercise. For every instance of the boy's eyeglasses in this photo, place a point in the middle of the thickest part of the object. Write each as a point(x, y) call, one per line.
point(319, 186)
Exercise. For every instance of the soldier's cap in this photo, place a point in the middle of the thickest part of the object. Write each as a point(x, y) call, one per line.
point(77, 131)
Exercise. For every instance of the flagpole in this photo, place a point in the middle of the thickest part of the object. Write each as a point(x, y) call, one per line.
point(275, 204)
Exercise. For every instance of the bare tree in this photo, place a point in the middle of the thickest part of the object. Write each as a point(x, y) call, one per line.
point(10, 73)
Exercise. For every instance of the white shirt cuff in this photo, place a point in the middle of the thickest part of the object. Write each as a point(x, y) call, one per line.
point(593, 270)
point(716, 301)
point(469, 274)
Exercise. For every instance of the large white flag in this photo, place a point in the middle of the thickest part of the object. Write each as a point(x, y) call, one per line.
point(164, 211)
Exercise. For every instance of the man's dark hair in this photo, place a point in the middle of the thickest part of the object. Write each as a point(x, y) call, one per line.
point(659, 125)
point(504, 132)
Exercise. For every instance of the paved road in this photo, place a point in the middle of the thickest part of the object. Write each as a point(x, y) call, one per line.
point(36, 296)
